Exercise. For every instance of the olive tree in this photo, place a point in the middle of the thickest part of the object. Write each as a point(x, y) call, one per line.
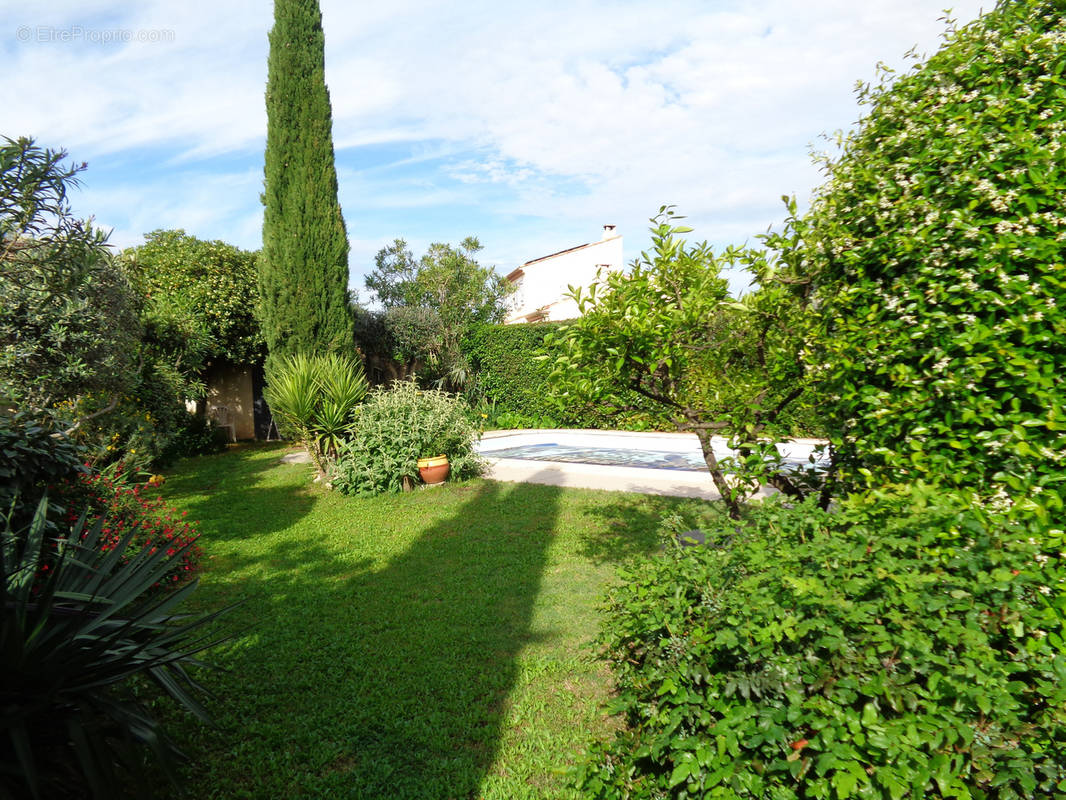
point(431, 304)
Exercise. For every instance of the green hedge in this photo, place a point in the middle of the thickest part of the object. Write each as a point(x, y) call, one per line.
point(514, 388)
point(908, 646)
point(508, 375)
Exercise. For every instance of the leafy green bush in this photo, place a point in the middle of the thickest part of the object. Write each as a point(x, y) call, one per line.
point(211, 287)
point(316, 399)
point(137, 427)
point(34, 454)
point(938, 253)
point(194, 435)
point(398, 426)
point(910, 645)
point(77, 624)
point(68, 321)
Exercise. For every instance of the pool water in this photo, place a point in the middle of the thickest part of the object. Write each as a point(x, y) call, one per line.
point(604, 456)
point(688, 460)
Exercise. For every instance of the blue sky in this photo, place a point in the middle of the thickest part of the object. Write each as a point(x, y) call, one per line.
point(529, 125)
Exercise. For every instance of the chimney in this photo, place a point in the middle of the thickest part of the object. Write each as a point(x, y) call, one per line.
point(608, 232)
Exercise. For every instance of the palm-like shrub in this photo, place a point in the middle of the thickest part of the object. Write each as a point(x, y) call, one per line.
point(316, 397)
point(77, 624)
point(397, 426)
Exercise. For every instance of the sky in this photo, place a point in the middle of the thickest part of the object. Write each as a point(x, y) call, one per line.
point(528, 125)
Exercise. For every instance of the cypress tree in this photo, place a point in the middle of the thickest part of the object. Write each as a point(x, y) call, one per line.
point(303, 270)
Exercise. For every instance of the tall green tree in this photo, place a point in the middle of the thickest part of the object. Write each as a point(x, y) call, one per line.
point(431, 304)
point(194, 285)
point(303, 273)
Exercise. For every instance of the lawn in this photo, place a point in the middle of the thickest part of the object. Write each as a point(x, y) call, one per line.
point(433, 644)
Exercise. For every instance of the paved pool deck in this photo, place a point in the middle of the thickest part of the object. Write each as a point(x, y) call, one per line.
point(678, 483)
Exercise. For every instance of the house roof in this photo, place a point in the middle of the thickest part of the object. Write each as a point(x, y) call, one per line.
point(520, 271)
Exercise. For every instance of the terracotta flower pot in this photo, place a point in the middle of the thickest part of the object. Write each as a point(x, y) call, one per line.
point(434, 470)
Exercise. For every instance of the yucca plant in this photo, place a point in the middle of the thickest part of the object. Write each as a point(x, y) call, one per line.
point(317, 398)
point(77, 626)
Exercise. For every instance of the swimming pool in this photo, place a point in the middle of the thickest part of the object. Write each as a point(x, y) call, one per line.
point(604, 456)
point(657, 463)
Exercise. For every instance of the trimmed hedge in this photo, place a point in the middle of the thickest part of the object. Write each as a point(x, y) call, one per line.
point(514, 387)
point(508, 375)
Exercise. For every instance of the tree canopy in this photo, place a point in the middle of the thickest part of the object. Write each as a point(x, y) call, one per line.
point(431, 303)
point(204, 289)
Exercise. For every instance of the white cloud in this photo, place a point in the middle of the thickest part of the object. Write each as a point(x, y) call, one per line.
point(529, 124)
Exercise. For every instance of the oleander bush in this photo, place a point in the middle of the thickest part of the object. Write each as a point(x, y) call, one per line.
point(937, 249)
point(910, 645)
point(124, 508)
point(34, 454)
point(68, 318)
point(398, 426)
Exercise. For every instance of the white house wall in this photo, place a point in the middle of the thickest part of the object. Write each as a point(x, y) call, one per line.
point(544, 282)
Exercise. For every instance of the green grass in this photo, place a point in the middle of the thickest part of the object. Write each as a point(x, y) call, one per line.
point(433, 644)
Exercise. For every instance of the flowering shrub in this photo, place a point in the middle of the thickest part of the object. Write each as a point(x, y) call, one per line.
point(937, 248)
point(398, 426)
point(910, 645)
point(122, 507)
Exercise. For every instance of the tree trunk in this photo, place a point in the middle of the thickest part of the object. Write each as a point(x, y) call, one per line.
point(717, 475)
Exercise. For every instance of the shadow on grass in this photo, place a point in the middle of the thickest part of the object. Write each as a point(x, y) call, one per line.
point(387, 682)
point(629, 528)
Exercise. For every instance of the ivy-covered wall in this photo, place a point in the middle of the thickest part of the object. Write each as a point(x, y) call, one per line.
point(508, 375)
